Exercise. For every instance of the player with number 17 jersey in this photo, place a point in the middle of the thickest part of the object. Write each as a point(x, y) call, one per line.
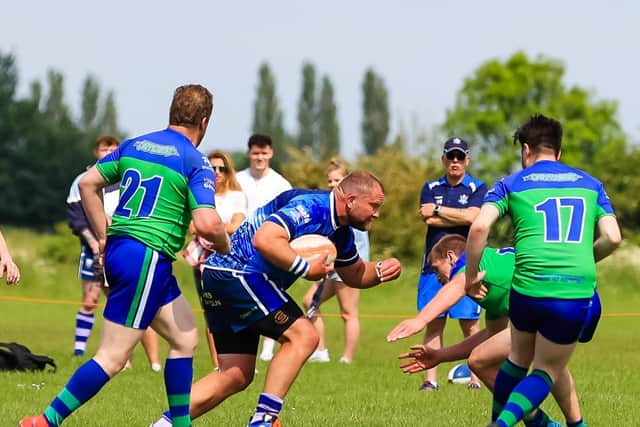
point(163, 178)
point(550, 202)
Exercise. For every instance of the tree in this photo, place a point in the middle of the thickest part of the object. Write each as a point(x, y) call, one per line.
point(55, 106)
point(109, 119)
point(307, 109)
point(375, 120)
point(89, 107)
point(267, 115)
point(500, 96)
point(328, 139)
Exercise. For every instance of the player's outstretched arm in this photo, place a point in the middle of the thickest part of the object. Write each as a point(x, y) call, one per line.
point(7, 265)
point(446, 297)
point(366, 274)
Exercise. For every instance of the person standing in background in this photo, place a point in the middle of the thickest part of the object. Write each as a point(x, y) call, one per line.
point(448, 205)
point(348, 297)
point(261, 184)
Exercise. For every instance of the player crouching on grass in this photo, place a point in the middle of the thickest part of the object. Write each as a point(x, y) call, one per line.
point(487, 349)
point(244, 292)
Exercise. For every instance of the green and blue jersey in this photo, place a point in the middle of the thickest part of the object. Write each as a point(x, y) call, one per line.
point(555, 209)
point(162, 179)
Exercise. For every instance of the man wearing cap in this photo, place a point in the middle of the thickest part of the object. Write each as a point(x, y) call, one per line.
point(448, 205)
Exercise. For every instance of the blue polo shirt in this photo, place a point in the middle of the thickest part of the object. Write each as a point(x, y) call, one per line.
point(470, 192)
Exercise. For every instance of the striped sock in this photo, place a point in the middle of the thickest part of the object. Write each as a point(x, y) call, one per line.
point(178, 374)
point(267, 404)
point(577, 424)
point(82, 386)
point(528, 394)
point(84, 323)
point(507, 379)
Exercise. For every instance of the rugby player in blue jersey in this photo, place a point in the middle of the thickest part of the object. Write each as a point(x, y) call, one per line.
point(244, 292)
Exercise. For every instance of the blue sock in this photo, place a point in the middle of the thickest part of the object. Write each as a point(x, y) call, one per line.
point(178, 374)
point(267, 404)
point(82, 386)
point(508, 377)
point(539, 419)
point(528, 394)
point(577, 424)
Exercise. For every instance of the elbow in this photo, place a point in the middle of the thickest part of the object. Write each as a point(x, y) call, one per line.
point(615, 241)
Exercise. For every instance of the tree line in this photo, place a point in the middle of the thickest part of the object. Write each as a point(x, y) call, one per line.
point(44, 146)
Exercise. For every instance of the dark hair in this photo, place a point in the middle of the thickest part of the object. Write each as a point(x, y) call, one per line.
point(190, 104)
point(259, 140)
point(540, 133)
point(108, 140)
point(450, 242)
point(359, 182)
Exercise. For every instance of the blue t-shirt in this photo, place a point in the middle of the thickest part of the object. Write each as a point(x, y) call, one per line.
point(469, 193)
point(299, 212)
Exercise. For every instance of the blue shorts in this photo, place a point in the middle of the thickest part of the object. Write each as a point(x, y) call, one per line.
point(558, 320)
point(85, 265)
point(428, 287)
point(593, 317)
point(235, 300)
point(140, 279)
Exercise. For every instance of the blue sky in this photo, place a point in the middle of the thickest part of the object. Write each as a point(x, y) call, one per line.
point(423, 49)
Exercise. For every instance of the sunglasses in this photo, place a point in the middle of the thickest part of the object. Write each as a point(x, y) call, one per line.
point(455, 154)
point(222, 169)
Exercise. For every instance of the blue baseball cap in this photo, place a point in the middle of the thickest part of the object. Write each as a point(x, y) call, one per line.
point(456, 143)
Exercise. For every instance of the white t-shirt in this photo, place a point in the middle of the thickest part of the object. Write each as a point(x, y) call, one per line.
point(230, 203)
point(262, 190)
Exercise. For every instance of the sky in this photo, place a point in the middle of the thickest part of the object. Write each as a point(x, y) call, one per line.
point(143, 50)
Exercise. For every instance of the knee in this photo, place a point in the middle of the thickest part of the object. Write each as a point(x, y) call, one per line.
point(349, 315)
point(475, 362)
point(186, 343)
point(239, 379)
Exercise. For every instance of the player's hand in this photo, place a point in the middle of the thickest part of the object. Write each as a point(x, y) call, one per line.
point(318, 267)
point(11, 269)
point(475, 288)
point(405, 329)
point(223, 247)
point(426, 210)
point(422, 358)
point(388, 270)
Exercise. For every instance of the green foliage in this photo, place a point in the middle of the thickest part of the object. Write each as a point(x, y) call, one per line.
point(307, 109)
point(43, 149)
point(375, 110)
point(267, 115)
point(328, 140)
point(59, 246)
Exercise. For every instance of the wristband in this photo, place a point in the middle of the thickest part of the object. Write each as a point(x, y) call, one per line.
point(379, 270)
point(299, 267)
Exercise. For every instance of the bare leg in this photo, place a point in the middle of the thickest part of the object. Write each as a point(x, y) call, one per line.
point(150, 344)
point(433, 338)
point(348, 299)
point(470, 327)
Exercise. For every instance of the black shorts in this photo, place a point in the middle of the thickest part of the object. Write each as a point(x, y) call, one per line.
point(246, 341)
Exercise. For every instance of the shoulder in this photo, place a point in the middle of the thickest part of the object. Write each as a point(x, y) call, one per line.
point(431, 184)
point(275, 177)
point(472, 183)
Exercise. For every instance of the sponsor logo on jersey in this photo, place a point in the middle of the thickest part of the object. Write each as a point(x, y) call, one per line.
point(157, 149)
point(439, 199)
point(280, 317)
point(206, 164)
point(552, 177)
point(464, 199)
point(301, 216)
point(210, 184)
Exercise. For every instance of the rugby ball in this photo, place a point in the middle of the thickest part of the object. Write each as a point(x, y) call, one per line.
point(459, 374)
point(311, 246)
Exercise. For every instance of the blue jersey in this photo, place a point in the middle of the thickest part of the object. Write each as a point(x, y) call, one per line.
point(469, 193)
point(299, 212)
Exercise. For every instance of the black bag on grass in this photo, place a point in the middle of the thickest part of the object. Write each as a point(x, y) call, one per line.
point(16, 357)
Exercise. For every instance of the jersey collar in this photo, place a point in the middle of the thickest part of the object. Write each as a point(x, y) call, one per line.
point(459, 265)
point(332, 209)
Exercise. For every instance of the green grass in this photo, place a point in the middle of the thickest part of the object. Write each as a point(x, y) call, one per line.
point(371, 392)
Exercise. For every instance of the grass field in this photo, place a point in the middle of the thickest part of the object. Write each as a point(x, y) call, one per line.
point(371, 392)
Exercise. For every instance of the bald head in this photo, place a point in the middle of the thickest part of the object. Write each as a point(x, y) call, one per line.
point(359, 197)
point(359, 182)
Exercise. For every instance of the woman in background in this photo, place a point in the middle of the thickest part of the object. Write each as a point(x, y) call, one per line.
point(231, 204)
point(348, 297)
